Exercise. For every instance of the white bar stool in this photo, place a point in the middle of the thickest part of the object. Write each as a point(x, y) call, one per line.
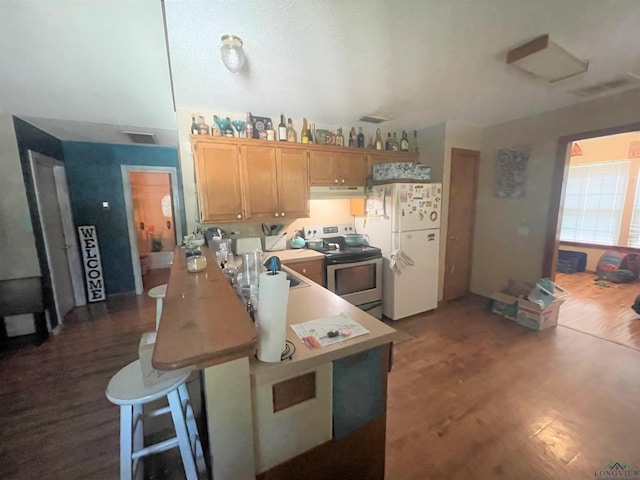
point(158, 293)
point(126, 388)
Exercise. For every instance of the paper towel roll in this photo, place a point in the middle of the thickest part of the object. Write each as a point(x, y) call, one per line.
point(272, 315)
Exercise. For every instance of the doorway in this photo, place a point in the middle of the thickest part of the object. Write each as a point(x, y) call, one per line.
point(463, 187)
point(56, 221)
point(151, 203)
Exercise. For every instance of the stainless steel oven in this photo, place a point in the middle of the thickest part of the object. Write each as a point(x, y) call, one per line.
point(353, 272)
point(360, 283)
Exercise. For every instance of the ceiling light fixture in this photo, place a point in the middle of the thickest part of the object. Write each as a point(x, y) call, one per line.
point(545, 59)
point(232, 53)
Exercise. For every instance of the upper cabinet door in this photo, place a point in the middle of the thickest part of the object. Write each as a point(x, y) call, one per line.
point(218, 182)
point(293, 183)
point(322, 167)
point(260, 181)
point(350, 168)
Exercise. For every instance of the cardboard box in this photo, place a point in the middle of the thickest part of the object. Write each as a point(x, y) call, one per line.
point(532, 315)
point(505, 301)
point(151, 376)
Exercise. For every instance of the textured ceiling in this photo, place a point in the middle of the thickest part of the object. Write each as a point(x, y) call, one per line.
point(417, 62)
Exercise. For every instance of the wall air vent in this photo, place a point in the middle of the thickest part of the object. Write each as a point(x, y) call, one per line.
point(604, 87)
point(372, 119)
point(141, 137)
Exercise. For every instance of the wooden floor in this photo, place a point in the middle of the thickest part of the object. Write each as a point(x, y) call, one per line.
point(601, 311)
point(471, 395)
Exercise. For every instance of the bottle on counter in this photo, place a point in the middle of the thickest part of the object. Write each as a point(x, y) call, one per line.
point(379, 143)
point(249, 129)
point(194, 125)
point(304, 134)
point(340, 138)
point(404, 142)
point(282, 129)
point(360, 138)
point(292, 136)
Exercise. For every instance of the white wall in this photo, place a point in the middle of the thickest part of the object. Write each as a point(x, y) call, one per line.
point(18, 258)
point(511, 232)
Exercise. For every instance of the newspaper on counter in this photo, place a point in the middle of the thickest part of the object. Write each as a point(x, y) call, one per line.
point(324, 331)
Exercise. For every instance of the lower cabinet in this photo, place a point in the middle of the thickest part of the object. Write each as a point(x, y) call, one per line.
point(312, 269)
point(356, 450)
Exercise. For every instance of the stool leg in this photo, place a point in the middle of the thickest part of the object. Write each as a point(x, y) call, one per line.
point(192, 428)
point(158, 310)
point(180, 425)
point(126, 441)
point(138, 440)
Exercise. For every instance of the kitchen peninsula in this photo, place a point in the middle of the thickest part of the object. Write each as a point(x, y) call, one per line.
point(322, 412)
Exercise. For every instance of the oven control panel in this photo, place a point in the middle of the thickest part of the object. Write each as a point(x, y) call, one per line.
point(325, 231)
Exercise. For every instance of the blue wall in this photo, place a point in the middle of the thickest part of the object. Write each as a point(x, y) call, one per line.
point(94, 176)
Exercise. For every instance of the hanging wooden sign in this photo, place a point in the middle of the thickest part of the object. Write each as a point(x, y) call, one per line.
point(91, 262)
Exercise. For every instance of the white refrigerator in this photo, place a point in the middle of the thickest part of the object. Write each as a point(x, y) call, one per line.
point(403, 219)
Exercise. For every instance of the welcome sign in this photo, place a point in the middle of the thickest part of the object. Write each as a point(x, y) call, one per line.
point(91, 262)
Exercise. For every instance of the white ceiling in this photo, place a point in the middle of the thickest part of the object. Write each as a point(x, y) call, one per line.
point(417, 62)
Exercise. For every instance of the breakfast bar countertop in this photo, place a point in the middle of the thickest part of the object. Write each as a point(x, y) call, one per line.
point(203, 323)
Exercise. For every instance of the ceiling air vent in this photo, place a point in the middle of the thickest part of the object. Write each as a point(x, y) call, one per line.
point(604, 87)
point(372, 119)
point(141, 137)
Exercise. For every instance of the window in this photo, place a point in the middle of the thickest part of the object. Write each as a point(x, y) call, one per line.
point(594, 202)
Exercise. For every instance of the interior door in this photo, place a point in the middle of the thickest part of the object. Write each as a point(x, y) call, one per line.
point(57, 244)
point(462, 211)
point(153, 212)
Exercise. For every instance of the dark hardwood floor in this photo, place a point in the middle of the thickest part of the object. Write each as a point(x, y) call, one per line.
point(471, 395)
point(602, 311)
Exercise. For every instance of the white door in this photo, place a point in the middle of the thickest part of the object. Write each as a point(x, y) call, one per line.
point(59, 239)
point(415, 288)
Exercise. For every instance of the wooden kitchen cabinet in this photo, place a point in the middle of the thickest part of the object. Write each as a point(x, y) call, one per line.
point(248, 180)
point(312, 269)
point(332, 166)
point(218, 182)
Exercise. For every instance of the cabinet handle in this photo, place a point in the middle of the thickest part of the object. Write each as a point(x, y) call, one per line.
point(276, 214)
point(304, 270)
point(282, 214)
point(335, 181)
point(238, 216)
point(343, 180)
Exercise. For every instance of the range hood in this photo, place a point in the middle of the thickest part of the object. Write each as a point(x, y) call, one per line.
point(328, 193)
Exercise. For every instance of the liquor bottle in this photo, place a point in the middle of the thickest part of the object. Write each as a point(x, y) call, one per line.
point(282, 129)
point(404, 143)
point(415, 141)
point(360, 138)
point(371, 145)
point(394, 143)
point(353, 140)
point(194, 125)
point(339, 138)
point(203, 128)
point(312, 133)
point(249, 130)
point(387, 142)
point(379, 143)
point(304, 134)
point(271, 134)
point(291, 132)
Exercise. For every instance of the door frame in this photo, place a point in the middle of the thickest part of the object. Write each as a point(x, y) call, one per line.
point(558, 186)
point(68, 228)
point(128, 205)
point(477, 154)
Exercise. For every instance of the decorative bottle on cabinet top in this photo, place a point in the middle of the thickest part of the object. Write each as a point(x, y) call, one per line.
point(282, 129)
point(304, 134)
point(340, 138)
point(291, 132)
point(194, 125)
point(249, 128)
point(379, 143)
point(404, 142)
point(360, 138)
